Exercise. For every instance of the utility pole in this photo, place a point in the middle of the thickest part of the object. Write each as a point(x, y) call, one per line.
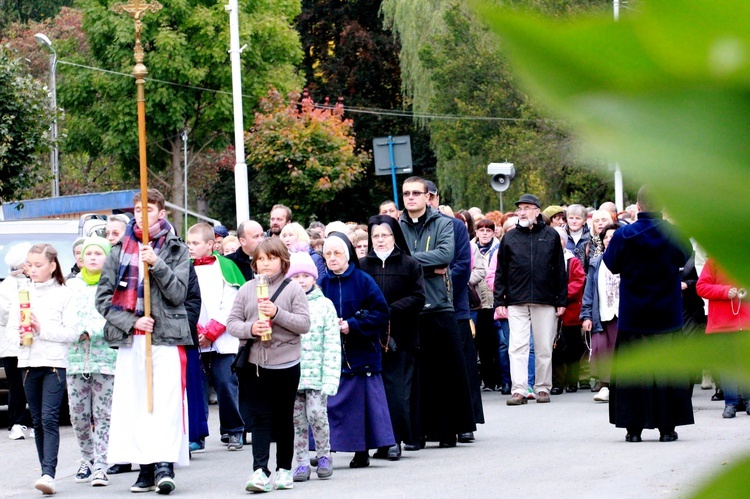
point(184, 137)
point(240, 168)
point(42, 39)
point(619, 197)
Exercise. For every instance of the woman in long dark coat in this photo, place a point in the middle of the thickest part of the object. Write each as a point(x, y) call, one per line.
point(401, 280)
point(358, 413)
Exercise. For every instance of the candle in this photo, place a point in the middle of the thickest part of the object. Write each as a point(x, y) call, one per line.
point(261, 282)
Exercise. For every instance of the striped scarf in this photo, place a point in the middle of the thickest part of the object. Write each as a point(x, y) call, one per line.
point(128, 295)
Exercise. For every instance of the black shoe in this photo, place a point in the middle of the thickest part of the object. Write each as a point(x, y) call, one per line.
point(670, 436)
point(145, 481)
point(572, 389)
point(381, 453)
point(314, 462)
point(719, 395)
point(730, 411)
point(466, 438)
point(446, 444)
point(361, 460)
point(505, 390)
point(394, 452)
point(225, 438)
point(584, 385)
point(633, 437)
point(116, 469)
point(164, 478)
point(741, 404)
point(556, 390)
point(411, 447)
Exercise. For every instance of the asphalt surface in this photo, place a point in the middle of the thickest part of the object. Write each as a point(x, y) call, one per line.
point(562, 449)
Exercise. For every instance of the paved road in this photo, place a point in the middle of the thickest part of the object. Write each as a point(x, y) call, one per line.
point(564, 449)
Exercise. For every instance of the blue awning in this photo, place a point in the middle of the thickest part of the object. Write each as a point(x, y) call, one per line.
point(65, 205)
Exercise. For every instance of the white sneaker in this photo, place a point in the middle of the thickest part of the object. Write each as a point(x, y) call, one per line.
point(16, 432)
point(100, 479)
point(602, 395)
point(46, 485)
point(258, 482)
point(283, 480)
point(31, 433)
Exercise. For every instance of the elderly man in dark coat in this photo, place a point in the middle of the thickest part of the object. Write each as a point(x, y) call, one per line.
point(648, 255)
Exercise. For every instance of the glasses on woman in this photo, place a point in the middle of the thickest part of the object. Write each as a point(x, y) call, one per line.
point(336, 253)
point(382, 236)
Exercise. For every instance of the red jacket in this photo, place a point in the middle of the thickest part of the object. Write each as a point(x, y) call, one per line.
point(576, 283)
point(714, 286)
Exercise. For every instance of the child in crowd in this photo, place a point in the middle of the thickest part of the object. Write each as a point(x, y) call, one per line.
point(155, 439)
point(19, 419)
point(219, 280)
point(91, 368)
point(228, 245)
point(272, 371)
point(320, 369)
point(44, 362)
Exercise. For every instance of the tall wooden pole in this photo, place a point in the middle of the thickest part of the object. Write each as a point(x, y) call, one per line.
point(136, 8)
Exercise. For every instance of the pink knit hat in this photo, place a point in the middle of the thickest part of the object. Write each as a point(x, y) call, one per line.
point(301, 262)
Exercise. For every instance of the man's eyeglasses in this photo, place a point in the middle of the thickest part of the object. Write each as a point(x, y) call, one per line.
point(527, 208)
point(408, 194)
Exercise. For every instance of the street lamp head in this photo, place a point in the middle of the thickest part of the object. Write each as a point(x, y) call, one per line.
point(42, 39)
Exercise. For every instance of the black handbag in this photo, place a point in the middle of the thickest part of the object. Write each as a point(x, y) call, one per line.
point(243, 354)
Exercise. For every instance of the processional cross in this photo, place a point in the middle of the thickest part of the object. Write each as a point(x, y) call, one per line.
point(136, 9)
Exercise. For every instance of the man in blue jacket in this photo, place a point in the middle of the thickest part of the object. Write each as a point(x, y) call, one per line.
point(531, 286)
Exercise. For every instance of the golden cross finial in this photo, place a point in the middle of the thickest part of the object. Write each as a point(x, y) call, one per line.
point(137, 7)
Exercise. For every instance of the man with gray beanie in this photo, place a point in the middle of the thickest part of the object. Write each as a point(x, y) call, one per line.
point(531, 287)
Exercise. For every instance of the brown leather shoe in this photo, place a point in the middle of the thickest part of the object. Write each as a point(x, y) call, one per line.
point(516, 399)
point(542, 398)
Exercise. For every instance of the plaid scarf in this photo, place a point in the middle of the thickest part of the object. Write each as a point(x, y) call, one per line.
point(128, 295)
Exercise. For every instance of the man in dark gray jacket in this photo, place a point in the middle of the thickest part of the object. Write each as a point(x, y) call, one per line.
point(155, 436)
point(531, 287)
point(444, 402)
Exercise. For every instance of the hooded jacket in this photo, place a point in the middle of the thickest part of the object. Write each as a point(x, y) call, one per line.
point(648, 255)
point(531, 267)
point(432, 245)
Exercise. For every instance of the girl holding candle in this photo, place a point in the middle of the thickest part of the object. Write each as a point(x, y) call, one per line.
point(44, 362)
point(272, 371)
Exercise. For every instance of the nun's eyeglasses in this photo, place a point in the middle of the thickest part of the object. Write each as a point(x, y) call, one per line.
point(382, 236)
point(336, 253)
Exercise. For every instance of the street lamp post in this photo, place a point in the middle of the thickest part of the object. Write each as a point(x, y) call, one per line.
point(42, 39)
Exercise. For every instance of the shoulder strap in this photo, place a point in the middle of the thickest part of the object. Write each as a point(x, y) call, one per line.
point(281, 288)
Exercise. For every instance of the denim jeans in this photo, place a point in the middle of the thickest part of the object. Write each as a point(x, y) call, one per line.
point(503, 331)
point(45, 389)
point(219, 368)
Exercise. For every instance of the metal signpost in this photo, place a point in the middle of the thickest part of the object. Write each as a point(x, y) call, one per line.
point(392, 155)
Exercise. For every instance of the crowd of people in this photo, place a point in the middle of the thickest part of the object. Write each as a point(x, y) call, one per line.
point(356, 333)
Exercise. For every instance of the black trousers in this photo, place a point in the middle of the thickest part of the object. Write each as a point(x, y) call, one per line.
point(272, 393)
point(17, 413)
point(45, 388)
point(488, 344)
point(397, 374)
point(566, 357)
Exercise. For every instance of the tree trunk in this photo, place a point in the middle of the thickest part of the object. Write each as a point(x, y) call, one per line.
point(201, 206)
point(178, 185)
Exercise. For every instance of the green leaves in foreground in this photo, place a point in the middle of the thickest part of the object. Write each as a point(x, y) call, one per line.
point(665, 92)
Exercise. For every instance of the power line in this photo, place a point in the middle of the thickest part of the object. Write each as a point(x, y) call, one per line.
point(348, 109)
